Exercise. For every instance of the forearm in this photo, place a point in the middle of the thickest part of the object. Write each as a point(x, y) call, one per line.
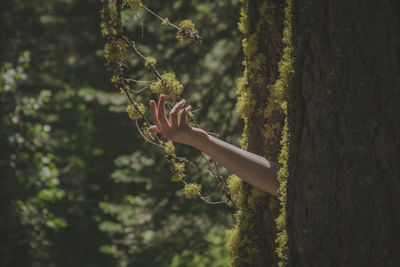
point(252, 168)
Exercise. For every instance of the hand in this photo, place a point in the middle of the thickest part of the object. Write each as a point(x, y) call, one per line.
point(177, 129)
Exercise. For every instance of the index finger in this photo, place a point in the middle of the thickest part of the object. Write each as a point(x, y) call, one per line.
point(154, 114)
point(161, 112)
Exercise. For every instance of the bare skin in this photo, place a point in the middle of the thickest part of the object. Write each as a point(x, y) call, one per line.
point(252, 168)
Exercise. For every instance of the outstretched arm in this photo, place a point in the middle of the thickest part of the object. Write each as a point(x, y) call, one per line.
point(252, 168)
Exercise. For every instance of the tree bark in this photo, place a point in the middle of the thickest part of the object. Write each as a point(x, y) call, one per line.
point(344, 121)
point(252, 241)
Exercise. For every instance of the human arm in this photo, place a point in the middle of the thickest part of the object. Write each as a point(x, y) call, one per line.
point(252, 168)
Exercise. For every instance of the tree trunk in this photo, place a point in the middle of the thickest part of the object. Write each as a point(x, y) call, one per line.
point(344, 122)
point(252, 241)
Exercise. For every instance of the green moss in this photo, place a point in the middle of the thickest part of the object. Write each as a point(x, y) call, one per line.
point(242, 242)
point(255, 197)
point(243, 24)
point(109, 19)
point(280, 93)
point(114, 51)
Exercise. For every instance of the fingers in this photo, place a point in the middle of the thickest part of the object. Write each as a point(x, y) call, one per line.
point(154, 114)
point(154, 129)
point(173, 115)
point(183, 117)
point(161, 112)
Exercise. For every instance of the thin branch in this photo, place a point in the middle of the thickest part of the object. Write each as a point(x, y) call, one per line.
point(136, 81)
point(132, 45)
point(161, 18)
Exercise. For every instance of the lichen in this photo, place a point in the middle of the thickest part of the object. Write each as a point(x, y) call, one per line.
point(242, 243)
point(115, 50)
point(109, 19)
point(281, 91)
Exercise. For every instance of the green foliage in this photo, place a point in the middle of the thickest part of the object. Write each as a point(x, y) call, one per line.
point(215, 256)
point(169, 148)
point(187, 32)
point(192, 190)
point(109, 19)
point(178, 171)
point(114, 51)
point(169, 86)
point(150, 62)
point(80, 137)
point(135, 111)
point(280, 92)
point(30, 164)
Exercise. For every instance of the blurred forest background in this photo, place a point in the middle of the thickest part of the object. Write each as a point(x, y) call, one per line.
point(78, 186)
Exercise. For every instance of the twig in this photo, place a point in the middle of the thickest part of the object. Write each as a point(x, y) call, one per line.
point(161, 18)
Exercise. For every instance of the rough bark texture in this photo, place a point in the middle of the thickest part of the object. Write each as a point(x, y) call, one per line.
point(264, 132)
point(344, 121)
point(252, 241)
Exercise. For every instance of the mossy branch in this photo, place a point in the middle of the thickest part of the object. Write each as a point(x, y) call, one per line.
point(115, 51)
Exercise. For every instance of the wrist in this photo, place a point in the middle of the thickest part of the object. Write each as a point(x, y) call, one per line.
point(198, 138)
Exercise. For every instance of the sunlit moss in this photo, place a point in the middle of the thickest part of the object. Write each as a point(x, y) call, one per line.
point(115, 50)
point(192, 190)
point(281, 91)
point(243, 24)
point(235, 184)
point(109, 19)
point(241, 240)
point(135, 112)
point(236, 188)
